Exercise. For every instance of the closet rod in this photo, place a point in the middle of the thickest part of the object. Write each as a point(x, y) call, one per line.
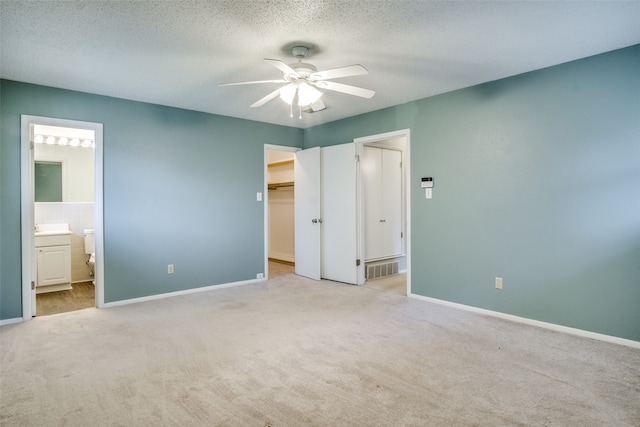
point(280, 184)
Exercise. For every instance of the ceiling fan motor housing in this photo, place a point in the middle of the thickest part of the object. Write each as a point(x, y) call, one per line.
point(300, 51)
point(303, 69)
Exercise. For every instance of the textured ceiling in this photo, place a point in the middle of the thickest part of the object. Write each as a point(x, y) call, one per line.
point(177, 52)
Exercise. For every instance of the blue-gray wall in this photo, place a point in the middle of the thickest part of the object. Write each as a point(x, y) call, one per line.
point(536, 180)
point(179, 188)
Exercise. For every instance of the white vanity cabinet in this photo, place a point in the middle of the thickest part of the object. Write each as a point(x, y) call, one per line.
point(53, 257)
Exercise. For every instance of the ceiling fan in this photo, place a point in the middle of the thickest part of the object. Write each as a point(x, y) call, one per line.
point(302, 81)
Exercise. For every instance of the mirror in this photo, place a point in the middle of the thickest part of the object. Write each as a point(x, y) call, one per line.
point(48, 181)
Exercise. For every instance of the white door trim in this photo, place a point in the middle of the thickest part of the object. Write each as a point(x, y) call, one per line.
point(265, 198)
point(407, 190)
point(27, 202)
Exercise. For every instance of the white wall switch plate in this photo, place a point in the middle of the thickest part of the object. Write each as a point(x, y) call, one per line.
point(498, 282)
point(259, 196)
point(428, 193)
point(170, 269)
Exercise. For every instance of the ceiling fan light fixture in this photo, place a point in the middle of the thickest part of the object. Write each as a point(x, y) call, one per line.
point(307, 94)
point(288, 92)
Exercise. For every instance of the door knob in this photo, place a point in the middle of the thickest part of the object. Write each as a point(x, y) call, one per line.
point(314, 220)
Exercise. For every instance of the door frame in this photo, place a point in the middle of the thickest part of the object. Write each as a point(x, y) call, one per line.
point(360, 142)
point(28, 207)
point(265, 198)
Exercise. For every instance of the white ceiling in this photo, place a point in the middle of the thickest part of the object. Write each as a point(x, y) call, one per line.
point(177, 52)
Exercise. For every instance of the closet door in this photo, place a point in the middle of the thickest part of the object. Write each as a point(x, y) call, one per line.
point(391, 229)
point(339, 217)
point(325, 213)
point(382, 188)
point(371, 165)
point(307, 212)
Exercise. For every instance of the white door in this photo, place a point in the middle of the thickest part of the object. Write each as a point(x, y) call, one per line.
point(34, 276)
point(371, 164)
point(339, 215)
point(382, 188)
point(325, 213)
point(391, 231)
point(306, 199)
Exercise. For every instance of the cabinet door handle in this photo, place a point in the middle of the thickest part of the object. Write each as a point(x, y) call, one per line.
point(383, 220)
point(314, 220)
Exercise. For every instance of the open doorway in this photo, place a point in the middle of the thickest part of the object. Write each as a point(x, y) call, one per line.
point(279, 210)
point(337, 159)
point(61, 215)
point(384, 210)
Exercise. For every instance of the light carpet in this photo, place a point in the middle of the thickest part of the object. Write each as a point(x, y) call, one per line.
point(295, 352)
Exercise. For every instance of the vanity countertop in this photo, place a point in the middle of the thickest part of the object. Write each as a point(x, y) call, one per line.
point(52, 229)
point(51, 233)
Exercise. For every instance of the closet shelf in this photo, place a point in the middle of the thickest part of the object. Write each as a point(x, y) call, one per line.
point(280, 162)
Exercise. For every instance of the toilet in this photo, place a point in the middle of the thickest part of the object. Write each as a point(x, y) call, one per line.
point(90, 249)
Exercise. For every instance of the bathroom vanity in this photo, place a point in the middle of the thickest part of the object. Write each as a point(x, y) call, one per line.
point(53, 257)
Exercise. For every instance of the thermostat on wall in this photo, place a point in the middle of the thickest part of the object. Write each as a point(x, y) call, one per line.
point(427, 182)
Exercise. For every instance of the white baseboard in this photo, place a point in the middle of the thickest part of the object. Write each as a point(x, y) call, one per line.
point(184, 292)
point(532, 322)
point(10, 321)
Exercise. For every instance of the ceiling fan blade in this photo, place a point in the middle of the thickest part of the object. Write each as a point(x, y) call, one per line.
point(266, 99)
point(318, 106)
point(351, 90)
point(254, 82)
point(315, 107)
point(336, 73)
point(282, 67)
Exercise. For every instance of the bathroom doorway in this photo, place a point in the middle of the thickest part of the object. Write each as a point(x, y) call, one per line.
point(61, 216)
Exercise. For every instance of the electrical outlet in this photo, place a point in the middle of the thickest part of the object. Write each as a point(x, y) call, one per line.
point(170, 269)
point(260, 276)
point(498, 282)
